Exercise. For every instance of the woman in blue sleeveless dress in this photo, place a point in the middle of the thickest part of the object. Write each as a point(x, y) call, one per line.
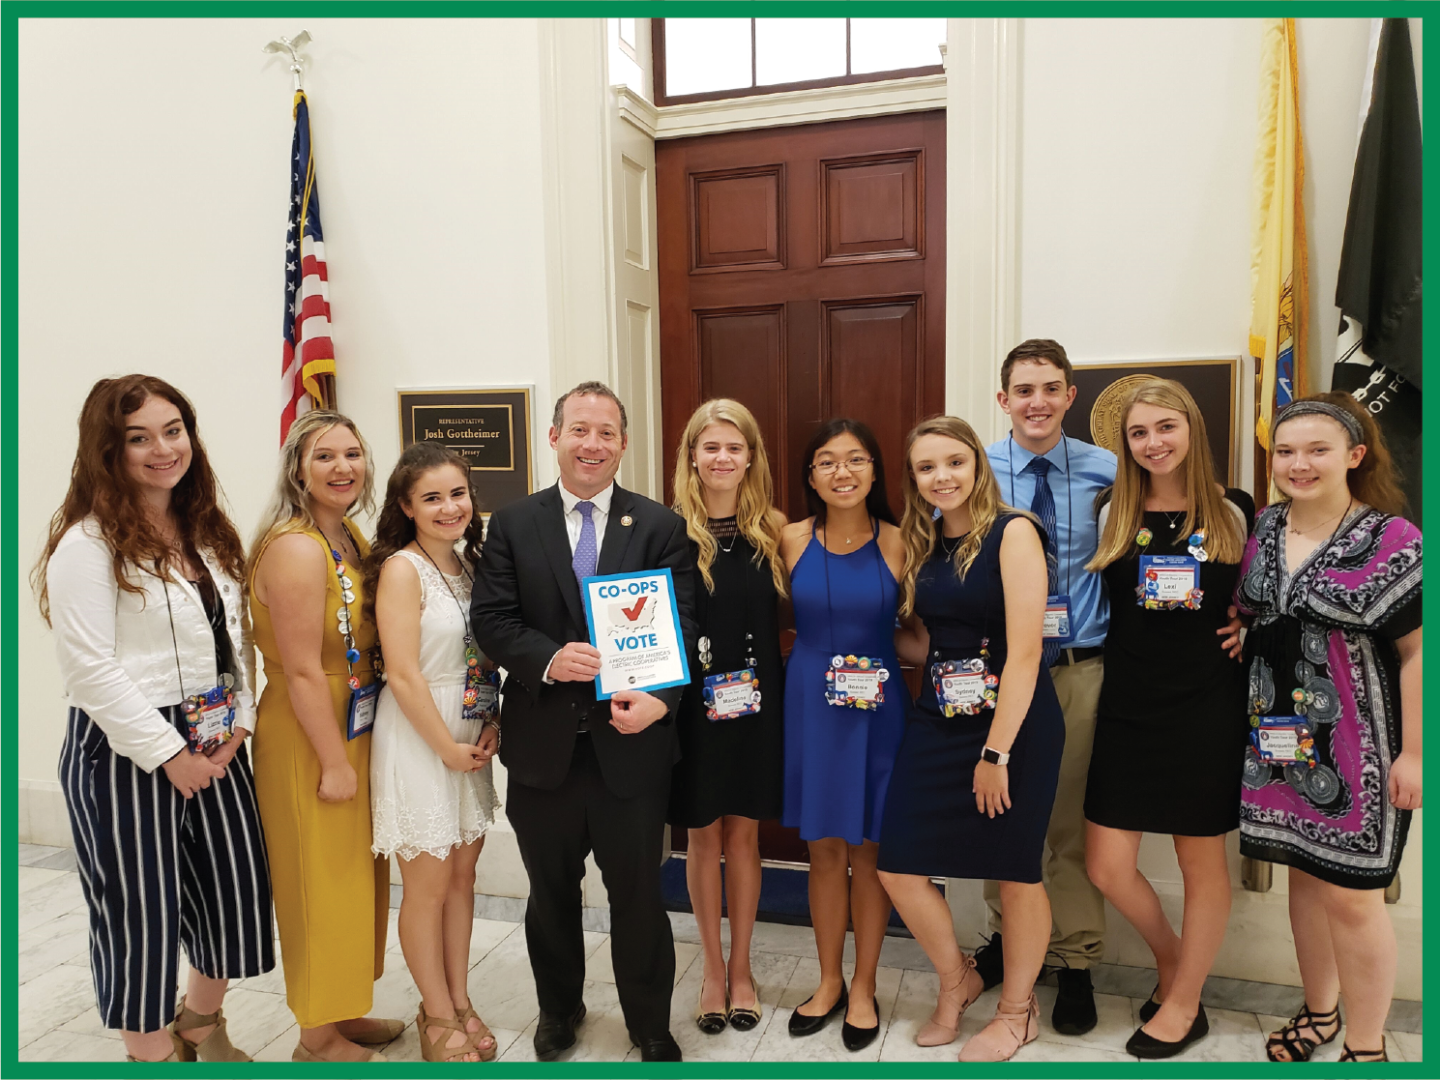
point(841, 737)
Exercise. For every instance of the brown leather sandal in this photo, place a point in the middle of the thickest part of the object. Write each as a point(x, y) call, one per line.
point(214, 1047)
point(486, 1053)
point(439, 1048)
point(1300, 1047)
point(1346, 1054)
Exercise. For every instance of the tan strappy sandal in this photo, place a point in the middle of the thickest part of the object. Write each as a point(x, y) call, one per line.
point(486, 1054)
point(214, 1047)
point(1015, 1024)
point(439, 1048)
point(935, 1033)
point(159, 1061)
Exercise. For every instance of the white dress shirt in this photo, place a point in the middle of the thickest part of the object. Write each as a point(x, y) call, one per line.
point(600, 515)
point(117, 652)
point(573, 523)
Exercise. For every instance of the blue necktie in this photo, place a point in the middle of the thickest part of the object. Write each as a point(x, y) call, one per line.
point(1043, 507)
point(587, 551)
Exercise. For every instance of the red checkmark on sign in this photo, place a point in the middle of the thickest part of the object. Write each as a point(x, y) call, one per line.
point(634, 613)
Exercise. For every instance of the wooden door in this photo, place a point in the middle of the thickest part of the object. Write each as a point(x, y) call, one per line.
point(802, 272)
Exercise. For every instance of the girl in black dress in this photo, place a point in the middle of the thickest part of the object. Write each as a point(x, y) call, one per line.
point(1170, 733)
point(974, 782)
point(733, 744)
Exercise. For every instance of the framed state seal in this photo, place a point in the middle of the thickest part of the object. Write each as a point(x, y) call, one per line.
point(1213, 383)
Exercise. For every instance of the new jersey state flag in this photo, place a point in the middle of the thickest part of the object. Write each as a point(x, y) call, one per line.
point(1279, 278)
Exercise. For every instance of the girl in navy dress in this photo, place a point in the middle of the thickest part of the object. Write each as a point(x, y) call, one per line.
point(975, 780)
point(844, 711)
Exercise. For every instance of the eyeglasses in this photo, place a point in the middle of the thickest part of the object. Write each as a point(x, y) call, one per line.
point(853, 464)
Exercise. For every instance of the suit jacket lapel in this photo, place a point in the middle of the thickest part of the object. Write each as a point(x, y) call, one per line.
point(617, 533)
point(555, 541)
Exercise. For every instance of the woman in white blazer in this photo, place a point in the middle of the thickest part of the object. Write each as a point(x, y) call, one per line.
point(141, 582)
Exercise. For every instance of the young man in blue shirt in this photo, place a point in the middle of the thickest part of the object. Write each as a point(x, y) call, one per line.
point(1040, 469)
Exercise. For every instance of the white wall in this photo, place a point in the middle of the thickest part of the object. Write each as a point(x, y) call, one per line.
point(153, 182)
point(153, 178)
point(1137, 142)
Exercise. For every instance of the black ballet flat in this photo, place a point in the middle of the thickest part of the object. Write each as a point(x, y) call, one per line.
point(1142, 1045)
point(1151, 1006)
point(857, 1038)
point(800, 1024)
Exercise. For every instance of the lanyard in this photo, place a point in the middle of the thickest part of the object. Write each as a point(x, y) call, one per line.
point(879, 562)
point(750, 660)
point(1069, 507)
point(175, 641)
point(949, 554)
point(464, 616)
point(352, 654)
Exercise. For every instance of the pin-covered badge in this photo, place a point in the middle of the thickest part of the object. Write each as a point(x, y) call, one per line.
point(627, 520)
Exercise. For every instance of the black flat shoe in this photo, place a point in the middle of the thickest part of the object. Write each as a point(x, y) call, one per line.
point(857, 1038)
point(554, 1034)
point(662, 1048)
point(800, 1024)
point(1151, 1006)
point(1142, 1045)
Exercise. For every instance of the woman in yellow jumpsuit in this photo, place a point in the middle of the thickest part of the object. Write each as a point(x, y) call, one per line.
point(312, 777)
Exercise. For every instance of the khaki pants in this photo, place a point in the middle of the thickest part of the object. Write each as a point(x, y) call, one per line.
point(1077, 907)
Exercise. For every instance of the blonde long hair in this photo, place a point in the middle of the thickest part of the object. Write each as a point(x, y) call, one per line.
point(755, 514)
point(917, 523)
point(1205, 507)
point(289, 507)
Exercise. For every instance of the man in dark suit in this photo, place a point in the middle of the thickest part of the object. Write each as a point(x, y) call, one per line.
point(584, 775)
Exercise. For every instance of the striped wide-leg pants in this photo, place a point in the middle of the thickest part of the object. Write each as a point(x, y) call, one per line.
point(160, 871)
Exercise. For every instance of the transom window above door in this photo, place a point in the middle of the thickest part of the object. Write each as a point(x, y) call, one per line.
point(708, 59)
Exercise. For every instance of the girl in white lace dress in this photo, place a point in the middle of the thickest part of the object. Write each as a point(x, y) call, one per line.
point(431, 793)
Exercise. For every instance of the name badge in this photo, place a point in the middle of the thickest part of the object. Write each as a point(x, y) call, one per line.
point(1282, 740)
point(481, 700)
point(855, 682)
point(211, 718)
point(963, 687)
point(735, 693)
point(1169, 582)
point(1057, 618)
point(362, 710)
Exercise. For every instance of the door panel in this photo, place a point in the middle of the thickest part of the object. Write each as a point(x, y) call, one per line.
point(802, 272)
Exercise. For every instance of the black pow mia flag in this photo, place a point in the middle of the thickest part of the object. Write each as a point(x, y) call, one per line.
point(1379, 288)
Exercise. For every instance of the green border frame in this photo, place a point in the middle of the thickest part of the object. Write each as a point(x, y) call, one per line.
point(14, 589)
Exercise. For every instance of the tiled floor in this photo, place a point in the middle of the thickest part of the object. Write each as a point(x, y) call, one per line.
point(58, 1019)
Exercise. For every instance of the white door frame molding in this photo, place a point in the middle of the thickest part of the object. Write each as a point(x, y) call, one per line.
point(982, 272)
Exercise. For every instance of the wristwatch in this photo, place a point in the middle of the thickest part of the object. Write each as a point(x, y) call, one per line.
point(994, 757)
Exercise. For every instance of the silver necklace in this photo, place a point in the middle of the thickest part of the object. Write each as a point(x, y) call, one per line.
point(1290, 520)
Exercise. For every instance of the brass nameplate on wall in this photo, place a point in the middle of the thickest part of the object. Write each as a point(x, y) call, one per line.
point(489, 428)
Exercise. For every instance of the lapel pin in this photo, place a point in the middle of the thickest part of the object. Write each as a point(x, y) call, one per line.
point(627, 520)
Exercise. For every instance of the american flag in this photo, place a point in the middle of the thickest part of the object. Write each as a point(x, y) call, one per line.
point(308, 369)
